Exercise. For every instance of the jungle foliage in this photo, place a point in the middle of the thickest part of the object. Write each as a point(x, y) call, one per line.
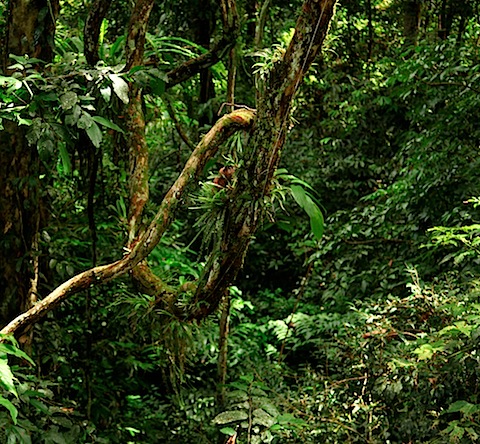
point(356, 315)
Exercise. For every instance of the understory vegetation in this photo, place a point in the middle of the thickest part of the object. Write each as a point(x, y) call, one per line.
point(356, 316)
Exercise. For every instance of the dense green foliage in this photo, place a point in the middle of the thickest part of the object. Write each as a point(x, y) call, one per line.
point(369, 334)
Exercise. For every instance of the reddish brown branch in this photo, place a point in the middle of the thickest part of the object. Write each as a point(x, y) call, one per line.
point(137, 29)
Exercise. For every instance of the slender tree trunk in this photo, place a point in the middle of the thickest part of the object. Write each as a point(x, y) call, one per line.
point(443, 20)
point(370, 29)
point(224, 327)
point(91, 33)
point(204, 28)
point(411, 20)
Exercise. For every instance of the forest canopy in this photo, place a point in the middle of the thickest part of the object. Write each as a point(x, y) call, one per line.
point(238, 221)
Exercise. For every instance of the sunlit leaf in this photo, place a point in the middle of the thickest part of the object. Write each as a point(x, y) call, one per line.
point(120, 87)
point(6, 377)
point(68, 100)
point(230, 416)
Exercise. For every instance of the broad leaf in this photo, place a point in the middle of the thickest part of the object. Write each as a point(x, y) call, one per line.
point(305, 201)
point(106, 93)
point(95, 134)
point(13, 350)
point(230, 416)
point(67, 166)
point(10, 407)
point(6, 377)
point(120, 87)
point(68, 100)
point(104, 122)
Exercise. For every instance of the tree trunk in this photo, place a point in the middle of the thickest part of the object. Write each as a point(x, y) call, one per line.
point(29, 31)
point(444, 20)
point(204, 28)
point(411, 20)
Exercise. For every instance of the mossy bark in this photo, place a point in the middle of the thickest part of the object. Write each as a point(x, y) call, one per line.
point(30, 28)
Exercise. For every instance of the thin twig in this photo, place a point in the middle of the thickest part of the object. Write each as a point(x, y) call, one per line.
point(176, 122)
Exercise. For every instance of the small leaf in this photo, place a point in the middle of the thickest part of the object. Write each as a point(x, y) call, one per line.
point(68, 100)
point(230, 416)
point(95, 134)
point(10, 82)
point(120, 87)
point(26, 122)
point(106, 93)
point(457, 406)
point(465, 407)
point(228, 431)
point(85, 121)
point(40, 406)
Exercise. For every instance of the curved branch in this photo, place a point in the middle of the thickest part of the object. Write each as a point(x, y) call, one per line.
point(178, 126)
point(222, 46)
point(220, 132)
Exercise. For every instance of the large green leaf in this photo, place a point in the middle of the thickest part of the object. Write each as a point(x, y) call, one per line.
point(68, 100)
point(6, 377)
point(306, 202)
point(13, 350)
point(67, 166)
point(104, 122)
point(10, 407)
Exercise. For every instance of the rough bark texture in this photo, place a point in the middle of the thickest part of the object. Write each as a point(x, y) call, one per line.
point(19, 220)
point(222, 365)
point(144, 245)
point(137, 30)
point(265, 143)
point(136, 143)
point(136, 146)
point(29, 31)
